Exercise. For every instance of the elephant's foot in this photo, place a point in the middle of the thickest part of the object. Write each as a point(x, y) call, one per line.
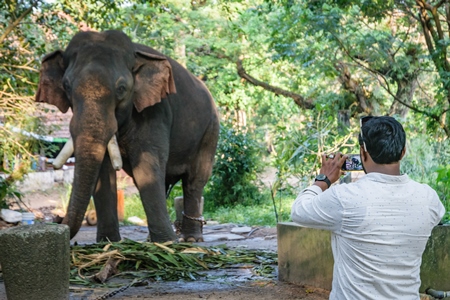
point(190, 239)
point(191, 229)
point(108, 238)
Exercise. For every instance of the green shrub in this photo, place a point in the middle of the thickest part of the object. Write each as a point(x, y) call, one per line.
point(262, 214)
point(237, 163)
point(8, 193)
point(420, 159)
point(426, 161)
point(299, 148)
point(177, 191)
point(442, 186)
point(133, 207)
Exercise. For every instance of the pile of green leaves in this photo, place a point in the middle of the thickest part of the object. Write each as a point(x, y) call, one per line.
point(166, 262)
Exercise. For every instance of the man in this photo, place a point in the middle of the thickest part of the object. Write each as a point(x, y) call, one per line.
point(380, 224)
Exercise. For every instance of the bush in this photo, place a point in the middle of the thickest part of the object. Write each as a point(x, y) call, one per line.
point(426, 161)
point(442, 187)
point(234, 176)
point(8, 193)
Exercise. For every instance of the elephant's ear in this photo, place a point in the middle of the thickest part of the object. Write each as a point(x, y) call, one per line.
point(50, 88)
point(153, 79)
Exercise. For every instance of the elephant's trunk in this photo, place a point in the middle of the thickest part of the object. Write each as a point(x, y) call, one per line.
point(89, 155)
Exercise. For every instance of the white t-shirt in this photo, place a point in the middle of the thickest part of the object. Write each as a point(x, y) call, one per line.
point(380, 226)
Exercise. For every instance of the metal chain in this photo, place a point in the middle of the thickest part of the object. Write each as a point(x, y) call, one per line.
point(119, 290)
point(199, 219)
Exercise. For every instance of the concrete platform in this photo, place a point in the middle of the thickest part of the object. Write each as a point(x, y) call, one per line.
point(305, 257)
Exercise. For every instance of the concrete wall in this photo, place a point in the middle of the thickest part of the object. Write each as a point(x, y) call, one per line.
point(45, 180)
point(305, 257)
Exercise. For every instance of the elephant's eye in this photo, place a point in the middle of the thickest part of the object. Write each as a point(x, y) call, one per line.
point(123, 87)
point(121, 91)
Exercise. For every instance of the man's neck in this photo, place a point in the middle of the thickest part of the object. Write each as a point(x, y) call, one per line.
point(388, 169)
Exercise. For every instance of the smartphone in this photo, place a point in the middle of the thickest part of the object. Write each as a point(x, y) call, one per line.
point(352, 163)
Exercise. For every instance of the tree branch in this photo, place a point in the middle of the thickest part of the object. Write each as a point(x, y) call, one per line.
point(298, 99)
point(353, 86)
point(21, 67)
point(16, 22)
point(440, 3)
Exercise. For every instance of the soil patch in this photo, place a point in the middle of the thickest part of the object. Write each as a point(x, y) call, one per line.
point(261, 290)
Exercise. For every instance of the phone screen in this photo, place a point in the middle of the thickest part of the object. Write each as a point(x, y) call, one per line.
point(352, 163)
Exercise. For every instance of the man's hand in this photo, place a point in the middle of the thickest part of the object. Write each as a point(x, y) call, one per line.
point(331, 167)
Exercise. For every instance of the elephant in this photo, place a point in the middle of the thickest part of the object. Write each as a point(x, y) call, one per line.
point(163, 118)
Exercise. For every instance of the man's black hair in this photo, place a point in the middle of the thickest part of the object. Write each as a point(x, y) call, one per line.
point(385, 139)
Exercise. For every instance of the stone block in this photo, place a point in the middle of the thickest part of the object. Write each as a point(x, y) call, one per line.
point(178, 203)
point(435, 268)
point(35, 262)
point(41, 181)
point(305, 257)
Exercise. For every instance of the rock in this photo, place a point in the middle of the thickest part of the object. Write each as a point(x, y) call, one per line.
point(137, 221)
point(11, 216)
point(222, 237)
point(4, 225)
point(58, 215)
point(241, 230)
point(58, 212)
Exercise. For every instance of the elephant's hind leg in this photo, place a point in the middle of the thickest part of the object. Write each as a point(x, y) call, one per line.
point(193, 221)
point(194, 182)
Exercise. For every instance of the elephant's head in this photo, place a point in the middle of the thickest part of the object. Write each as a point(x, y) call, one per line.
point(102, 78)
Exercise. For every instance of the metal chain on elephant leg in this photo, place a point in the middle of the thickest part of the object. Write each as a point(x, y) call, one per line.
point(198, 219)
point(135, 282)
point(177, 225)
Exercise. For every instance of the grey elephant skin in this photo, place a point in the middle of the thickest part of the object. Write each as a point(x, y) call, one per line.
point(164, 118)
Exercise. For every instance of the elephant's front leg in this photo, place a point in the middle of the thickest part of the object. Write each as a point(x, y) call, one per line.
point(105, 199)
point(149, 178)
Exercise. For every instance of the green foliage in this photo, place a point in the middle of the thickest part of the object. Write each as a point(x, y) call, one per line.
point(8, 193)
point(299, 147)
point(262, 214)
point(345, 47)
point(309, 48)
point(443, 187)
point(177, 191)
point(426, 161)
point(22, 43)
point(235, 170)
point(420, 159)
point(133, 207)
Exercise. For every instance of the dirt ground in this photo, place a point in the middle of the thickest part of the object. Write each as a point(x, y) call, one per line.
point(232, 283)
point(245, 291)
